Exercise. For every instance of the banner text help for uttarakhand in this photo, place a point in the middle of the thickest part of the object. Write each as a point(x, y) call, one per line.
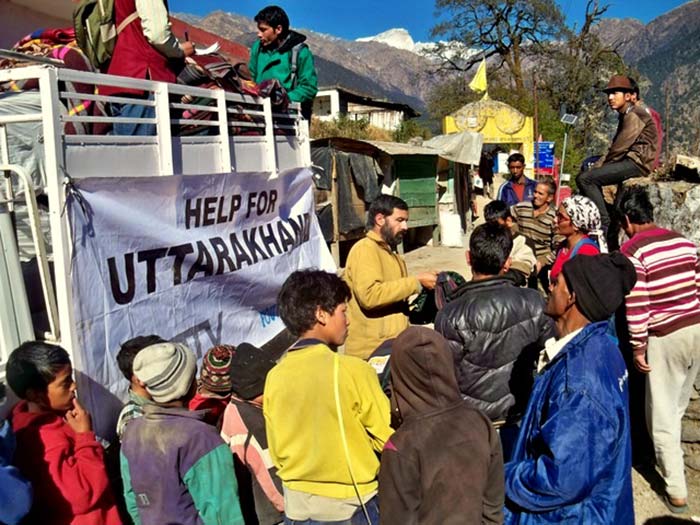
point(218, 254)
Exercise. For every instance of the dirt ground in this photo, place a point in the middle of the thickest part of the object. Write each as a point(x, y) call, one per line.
point(649, 508)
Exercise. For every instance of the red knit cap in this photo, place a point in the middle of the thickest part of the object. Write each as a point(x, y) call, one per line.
point(216, 369)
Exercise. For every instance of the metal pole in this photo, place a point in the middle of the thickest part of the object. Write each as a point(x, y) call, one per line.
point(668, 125)
point(537, 124)
point(563, 152)
point(563, 158)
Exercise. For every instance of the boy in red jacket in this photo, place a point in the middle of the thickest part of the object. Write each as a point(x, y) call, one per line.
point(58, 453)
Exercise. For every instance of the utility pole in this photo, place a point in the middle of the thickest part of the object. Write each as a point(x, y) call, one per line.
point(667, 158)
point(536, 123)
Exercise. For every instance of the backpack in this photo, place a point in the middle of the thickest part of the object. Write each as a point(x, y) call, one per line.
point(95, 30)
point(294, 61)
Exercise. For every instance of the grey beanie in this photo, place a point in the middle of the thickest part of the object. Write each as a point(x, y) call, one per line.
point(167, 370)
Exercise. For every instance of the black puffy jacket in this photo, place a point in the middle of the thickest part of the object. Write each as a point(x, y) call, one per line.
point(495, 331)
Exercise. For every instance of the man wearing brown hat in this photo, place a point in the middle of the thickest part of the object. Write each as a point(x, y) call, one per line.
point(632, 152)
point(572, 460)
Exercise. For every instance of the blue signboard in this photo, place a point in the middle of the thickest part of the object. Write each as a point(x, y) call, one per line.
point(544, 152)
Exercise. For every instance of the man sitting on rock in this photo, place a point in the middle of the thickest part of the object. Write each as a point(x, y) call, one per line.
point(631, 154)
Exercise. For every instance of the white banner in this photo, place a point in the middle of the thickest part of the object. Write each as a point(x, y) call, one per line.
point(197, 259)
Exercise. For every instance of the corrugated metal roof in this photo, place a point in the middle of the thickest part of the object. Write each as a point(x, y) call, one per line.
point(399, 148)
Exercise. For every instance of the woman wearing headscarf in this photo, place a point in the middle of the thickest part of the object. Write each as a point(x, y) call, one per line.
point(578, 220)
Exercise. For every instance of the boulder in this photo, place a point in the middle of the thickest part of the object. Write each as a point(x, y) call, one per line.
point(676, 205)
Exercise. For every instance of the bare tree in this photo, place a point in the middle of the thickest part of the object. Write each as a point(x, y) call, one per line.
point(504, 29)
point(574, 70)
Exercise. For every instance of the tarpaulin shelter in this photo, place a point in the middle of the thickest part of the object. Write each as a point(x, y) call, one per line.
point(350, 174)
point(458, 153)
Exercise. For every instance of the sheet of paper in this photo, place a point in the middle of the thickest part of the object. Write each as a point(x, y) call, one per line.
point(208, 50)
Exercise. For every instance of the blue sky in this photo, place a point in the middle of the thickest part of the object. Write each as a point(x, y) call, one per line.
point(355, 18)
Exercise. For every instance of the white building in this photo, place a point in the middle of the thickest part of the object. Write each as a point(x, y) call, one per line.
point(331, 102)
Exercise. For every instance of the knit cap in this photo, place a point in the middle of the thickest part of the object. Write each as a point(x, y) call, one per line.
point(167, 370)
point(216, 369)
point(249, 368)
point(600, 283)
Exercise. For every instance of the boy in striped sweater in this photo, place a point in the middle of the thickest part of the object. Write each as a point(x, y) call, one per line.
point(663, 315)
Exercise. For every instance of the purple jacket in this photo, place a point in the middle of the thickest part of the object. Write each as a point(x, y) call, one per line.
point(177, 469)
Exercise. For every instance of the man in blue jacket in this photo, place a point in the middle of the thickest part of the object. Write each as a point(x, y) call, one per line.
point(519, 188)
point(572, 459)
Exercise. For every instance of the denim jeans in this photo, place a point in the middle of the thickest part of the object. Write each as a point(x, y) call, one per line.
point(133, 111)
point(590, 183)
point(358, 518)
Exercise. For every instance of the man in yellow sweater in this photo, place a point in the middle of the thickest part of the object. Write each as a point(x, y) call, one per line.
point(378, 279)
point(326, 416)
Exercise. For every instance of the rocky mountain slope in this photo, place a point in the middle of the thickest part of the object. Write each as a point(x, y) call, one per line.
point(373, 68)
point(390, 65)
point(667, 54)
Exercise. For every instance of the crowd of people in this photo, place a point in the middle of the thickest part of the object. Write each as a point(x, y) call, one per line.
point(513, 409)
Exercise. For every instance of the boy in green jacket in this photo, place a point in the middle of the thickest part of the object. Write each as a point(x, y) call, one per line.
point(280, 53)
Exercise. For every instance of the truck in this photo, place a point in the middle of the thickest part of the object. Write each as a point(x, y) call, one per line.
point(242, 156)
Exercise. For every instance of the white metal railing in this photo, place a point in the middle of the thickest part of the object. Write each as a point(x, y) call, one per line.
point(37, 239)
point(234, 120)
point(220, 114)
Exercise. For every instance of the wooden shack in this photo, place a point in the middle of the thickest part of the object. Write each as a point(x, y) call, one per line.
point(350, 174)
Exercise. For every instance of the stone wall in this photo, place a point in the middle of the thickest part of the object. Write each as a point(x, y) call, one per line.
point(676, 205)
point(690, 436)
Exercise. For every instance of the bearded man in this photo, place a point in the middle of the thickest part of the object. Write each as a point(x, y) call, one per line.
point(378, 279)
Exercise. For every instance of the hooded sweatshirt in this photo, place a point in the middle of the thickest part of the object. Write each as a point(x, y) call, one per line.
point(65, 468)
point(444, 464)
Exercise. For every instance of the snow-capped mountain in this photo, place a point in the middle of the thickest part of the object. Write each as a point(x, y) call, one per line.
point(397, 37)
point(400, 38)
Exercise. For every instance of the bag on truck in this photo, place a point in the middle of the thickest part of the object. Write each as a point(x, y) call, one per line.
point(96, 31)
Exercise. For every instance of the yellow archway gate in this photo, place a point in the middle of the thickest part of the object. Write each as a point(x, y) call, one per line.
point(498, 122)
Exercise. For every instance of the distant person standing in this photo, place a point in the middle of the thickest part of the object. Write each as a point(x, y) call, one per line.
point(281, 53)
point(519, 188)
point(486, 172)
point(146, 49)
